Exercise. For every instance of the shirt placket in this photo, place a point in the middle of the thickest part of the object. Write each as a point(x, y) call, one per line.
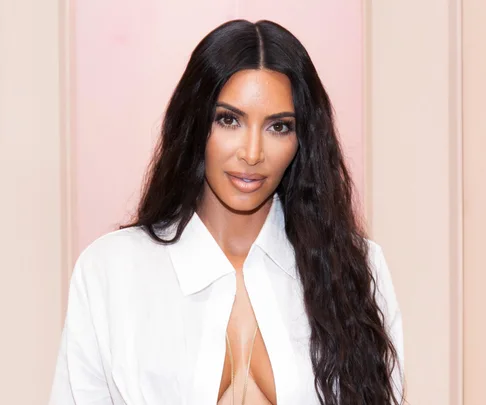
point(272, 327)
point(210, 358)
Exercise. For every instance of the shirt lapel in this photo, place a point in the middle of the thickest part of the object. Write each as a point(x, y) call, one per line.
point(199, 261)
point(197, 258)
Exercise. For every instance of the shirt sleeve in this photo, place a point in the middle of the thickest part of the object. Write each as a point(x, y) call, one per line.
point(79, 377)
point(393, 319)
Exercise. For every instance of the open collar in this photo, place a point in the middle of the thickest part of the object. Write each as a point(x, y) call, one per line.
point(199, 261)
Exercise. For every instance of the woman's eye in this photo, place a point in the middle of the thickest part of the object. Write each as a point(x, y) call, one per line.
point(227, 121)
point(282, 127)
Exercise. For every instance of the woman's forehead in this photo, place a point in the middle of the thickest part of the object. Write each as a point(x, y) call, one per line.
point(261, 89)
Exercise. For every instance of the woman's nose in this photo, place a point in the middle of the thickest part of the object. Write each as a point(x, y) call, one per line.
point(251, 150)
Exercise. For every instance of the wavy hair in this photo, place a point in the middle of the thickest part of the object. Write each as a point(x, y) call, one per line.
point(352, 356)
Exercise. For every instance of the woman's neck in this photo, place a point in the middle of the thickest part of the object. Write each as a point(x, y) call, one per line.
point(234, 231)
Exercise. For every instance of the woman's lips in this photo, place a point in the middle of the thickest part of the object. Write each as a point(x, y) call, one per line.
point(246, 183)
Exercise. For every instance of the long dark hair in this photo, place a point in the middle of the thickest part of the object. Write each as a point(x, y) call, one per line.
point(352, 355)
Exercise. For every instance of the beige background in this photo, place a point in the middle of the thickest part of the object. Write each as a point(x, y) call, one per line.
point(424, 92)
point(426, 192)
point(414, 196)
point(32, 274)
point(474, 86)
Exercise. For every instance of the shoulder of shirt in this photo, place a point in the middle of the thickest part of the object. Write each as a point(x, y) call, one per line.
point(386, 295)
point(116, 249)
point(374, 247)
point(376, 257)
point(126, 238)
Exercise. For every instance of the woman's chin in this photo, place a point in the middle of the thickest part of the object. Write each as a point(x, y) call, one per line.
point(245, 204)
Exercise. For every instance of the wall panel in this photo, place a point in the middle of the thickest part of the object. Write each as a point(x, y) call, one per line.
point(414, 181)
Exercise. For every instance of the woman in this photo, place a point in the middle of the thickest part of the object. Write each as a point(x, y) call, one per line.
point(246, 277)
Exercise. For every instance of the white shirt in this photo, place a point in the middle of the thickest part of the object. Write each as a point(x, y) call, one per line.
point(146, 323)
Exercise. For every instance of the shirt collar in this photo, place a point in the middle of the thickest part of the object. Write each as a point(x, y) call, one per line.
point(199, 261)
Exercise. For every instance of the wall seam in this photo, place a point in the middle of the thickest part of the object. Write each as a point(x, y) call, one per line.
point(456, 205)
point(67, 165)
point(367, 119)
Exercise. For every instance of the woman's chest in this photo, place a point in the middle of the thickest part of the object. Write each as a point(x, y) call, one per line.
point(164, 348)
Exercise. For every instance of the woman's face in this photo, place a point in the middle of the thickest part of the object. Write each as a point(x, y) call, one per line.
point(252, 139)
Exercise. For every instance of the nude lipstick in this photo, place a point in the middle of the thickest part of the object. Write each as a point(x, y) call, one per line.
point(246, 182)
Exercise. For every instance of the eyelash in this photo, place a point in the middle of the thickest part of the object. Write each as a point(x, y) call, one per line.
point(225, 115)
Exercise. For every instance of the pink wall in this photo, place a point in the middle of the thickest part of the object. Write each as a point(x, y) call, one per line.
point(128, 58)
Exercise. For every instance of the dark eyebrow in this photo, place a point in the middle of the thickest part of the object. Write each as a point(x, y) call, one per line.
point(244, 114)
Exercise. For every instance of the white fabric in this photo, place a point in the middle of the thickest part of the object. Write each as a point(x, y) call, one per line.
point(146, 323)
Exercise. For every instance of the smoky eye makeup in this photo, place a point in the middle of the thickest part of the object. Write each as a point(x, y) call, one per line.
point(288, 124)
point(229, 120)
point(226, 119)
